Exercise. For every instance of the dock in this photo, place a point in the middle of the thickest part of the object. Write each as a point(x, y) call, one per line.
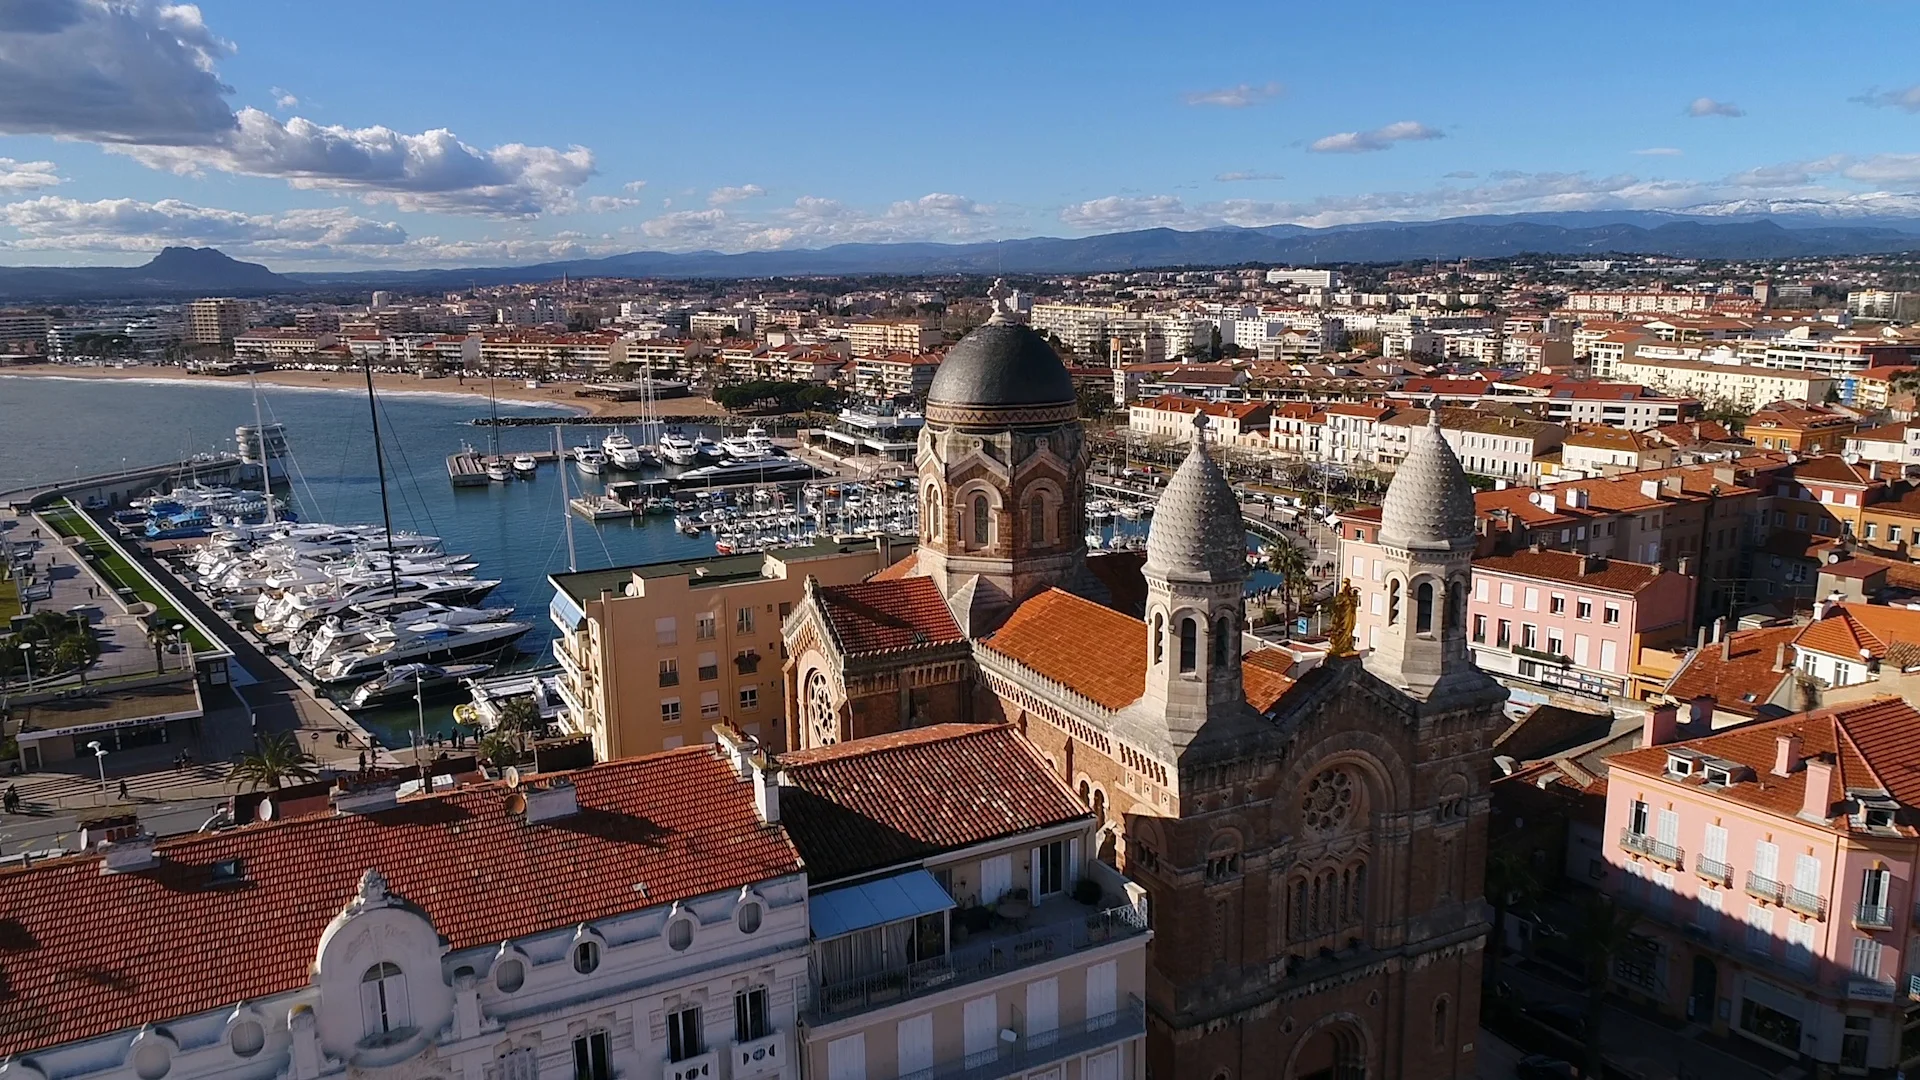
point(468, 468)
point(600, 507)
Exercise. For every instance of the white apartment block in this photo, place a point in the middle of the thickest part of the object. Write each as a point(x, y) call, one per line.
point(1639, 302)
point(1502, 447)
point(274, 344)
point(878, 337)
point(727, 323)
point(1395, 344)
point(17, 326)
point(898, 375)
point(1080, 328)
point(215, 320)
point(143, 336)
point(1314, 279)
point(1880, 304)
point(1737, 385)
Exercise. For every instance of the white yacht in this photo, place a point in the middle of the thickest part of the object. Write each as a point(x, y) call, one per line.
point(590, 460)
point(677, 448)
point(620, 451)
point(425, 642)
point(499, 470)
point(525, 465)
point(753, 446)
point(398, 685)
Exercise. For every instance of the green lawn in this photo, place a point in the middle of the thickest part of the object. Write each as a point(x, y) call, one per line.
point(118, 571)
point(9, 599)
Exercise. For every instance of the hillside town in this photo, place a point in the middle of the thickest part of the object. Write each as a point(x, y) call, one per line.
point(1511, 673)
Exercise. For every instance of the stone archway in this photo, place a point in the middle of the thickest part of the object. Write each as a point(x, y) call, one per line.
point(1335, 1048)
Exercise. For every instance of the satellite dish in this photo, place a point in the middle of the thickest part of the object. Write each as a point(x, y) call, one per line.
point(512, 776)
point(265, 810)
point(516, 804)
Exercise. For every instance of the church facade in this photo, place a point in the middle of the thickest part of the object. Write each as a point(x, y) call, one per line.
point(1309, 843)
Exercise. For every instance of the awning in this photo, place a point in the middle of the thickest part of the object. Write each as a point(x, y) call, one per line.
point(875, 903)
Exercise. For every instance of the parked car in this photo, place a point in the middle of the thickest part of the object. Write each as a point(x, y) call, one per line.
point(1542, 1067)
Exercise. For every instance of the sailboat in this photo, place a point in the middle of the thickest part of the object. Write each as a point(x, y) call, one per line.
point(499, 469)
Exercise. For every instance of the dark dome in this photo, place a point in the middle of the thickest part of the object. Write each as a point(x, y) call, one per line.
point(1002, 364)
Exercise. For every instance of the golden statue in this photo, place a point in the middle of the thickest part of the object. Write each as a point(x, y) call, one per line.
point(1342, 608)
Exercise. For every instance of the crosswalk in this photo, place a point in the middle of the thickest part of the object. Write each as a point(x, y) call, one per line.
point(44, 790)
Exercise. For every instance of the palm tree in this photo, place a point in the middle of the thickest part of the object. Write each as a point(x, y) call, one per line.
point(519, 715)
point(157, 636)
point(1509, 881)
point(1290, 563)
point(498, 747)
point(1608, 931)
point(74, 653)
point(277, 760)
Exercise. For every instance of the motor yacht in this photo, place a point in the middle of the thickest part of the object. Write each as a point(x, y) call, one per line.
point(400, 683)
point(621, 452)
point(590, 460)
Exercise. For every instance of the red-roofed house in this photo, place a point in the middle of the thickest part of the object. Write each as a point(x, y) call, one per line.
point(1171, 417)
point(1774, 866)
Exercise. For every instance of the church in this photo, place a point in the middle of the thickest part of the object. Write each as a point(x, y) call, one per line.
point(1309, 843)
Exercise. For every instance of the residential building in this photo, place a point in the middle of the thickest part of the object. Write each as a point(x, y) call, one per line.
point(1746, 675)
point(639, 918)
point(1897, 445)
point(881, 337)
point(1828, 494)
point(215, 320)
point(1894, 522)
point(1239, 422)
point(1618, 404)
point(1848, 644)
point(721, 323)
point(1080, 328)
point(1575, 623)
point(896, 375)
point(268, 343)
point(1800, 426)
point(1835, 356)
point(1881, 304)
point(1606, 451)
point(1774, 864)
point(961, 917)
point(1609, 348)
point(653, 655)
point(1738, 386)
point(1660, 302)
point(1488, 443)
point(24, 331)
point(1873, 388)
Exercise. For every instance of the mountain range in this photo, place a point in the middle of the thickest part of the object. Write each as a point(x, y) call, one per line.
point(1746, 230)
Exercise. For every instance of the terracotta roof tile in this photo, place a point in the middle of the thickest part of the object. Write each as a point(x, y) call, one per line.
point(1742, 682)
point(89, 952)
point(1095, 650)
point(888, 616)
point(1833, 469)
point(1613, 575)
point(878, 802)
point(904, 568)
point(1264, 671)
point(1852, 629)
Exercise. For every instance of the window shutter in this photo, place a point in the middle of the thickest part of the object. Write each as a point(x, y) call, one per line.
point(1866, 958)
point(1033, 874)
point(1669, 827)
point(916, 1044)
point(1073, 863)
point(1716, 844)
point(1806, 874)
point(1766, 860)
point(847, 1058)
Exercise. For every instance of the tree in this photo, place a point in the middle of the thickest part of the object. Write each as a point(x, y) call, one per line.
point(1288, 561)
point(277, 760)
point(74, 654)
point(1509, 881)
point(158, 634)
point(1608, 932)
point(499, 748)
point(519, 715)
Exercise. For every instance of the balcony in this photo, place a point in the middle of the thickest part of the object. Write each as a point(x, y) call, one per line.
point(765, 1056)
point(1810, 904)
point(1715, 871)
point(1764, 888)
point(1872, 916)
point(1031, 1052)
point(1064, 927)
point(1913, 988)
point(670, 678)
point(1641, 844)
point(700, 1067)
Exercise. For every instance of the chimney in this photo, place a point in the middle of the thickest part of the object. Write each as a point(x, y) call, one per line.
point(551, 801)
point(1719, 628)
point(1700, 637)
point(1673, 484)
point(1780, 657)
point(1726, 649)
point(1786, 754)
point(1649, 489)
point(1817, 802)
point(124, 845)
point(751, 763)
point(1873, 470)
point(1661, 726)
point(1700, 715)
point(1587, 564)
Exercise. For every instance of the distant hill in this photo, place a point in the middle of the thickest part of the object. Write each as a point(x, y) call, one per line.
point(176, 271)
point(1723, 231)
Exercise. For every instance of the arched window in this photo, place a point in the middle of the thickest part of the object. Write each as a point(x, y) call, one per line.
point(1393, 603)
point(982, 521)
point(932, 513)
point(1457, 605)
point(1189, 643)
point(1423, 608)
point(383, 1000)
point(1159, 638)
point(586, 957)
point(1440, 1022)
point(1357, 893)
point(1222, 641)
point(1037, 521)
point(1297, 910)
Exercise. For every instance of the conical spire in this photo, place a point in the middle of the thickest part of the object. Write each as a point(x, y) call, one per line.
point(1429, 504)
point(1197, 532)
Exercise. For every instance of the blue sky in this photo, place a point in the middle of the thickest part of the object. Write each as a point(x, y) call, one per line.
point(415, 132)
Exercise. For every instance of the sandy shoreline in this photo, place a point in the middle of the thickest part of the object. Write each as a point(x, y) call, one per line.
point(556, 395)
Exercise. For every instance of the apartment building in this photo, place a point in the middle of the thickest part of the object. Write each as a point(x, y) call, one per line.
point(1882, 304)
point(1849, 644)
point(662, 356)
point(1893, 523)
point(1487, 443)
point(1574, 623)
point(1897, 445)
point(1660, 302)
point(1536, 352)
point(1774, 867)
point(1171, 418)
point(1828, 496)
point(1626, 405)
point(1737, 385)
point(1605, 451)
point(1079, 328)
point(534, 350)
point(896, 375)
point(880, 337)
point(268, 343)
point(1873, 388)
point(1608, 345)
point(356, 942)
point(721, 323)
point(963, 922)
point(1835, 356)
point(1801, 427)
point(215, 320)
point(653, 655)
point(23, 328)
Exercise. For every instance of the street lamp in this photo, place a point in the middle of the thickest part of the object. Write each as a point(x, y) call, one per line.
point(420, 742)
point(26, 650)
point(179, 630)
point(100, 755)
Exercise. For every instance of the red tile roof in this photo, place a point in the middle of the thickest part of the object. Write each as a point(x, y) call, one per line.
point(88, 952)
point(882, 801)
point(1264, 671)
point(1744, 680)
point(1094, 650)
point(1851, 630)
point(887, 616)
point(1613, 575)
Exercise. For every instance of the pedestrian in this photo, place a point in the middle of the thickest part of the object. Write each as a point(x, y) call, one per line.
point(363, 761)
point(123, 790)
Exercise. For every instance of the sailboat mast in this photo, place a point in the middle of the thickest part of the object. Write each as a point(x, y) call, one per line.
point(380, 465)
point(566, 512)
point(266, 463)
point(493, 403)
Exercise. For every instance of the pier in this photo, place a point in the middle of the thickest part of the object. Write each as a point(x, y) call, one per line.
point(118, 487)
point(468, 468)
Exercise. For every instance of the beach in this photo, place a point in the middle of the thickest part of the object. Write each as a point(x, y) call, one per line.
point(558, 395)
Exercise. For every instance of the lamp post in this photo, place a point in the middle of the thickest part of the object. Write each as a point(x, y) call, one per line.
point(179, 638)
point(100, 756)
point(26, 651)
point(420, 739)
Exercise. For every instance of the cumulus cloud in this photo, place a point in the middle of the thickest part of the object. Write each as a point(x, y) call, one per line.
point(722, 196)
point(1884, 169)
point(139, 78)
point(609, 204)
point(1246, 174)
point(1905, 97)
point(635, 186)
point(1460, 174)
point(1706, 106)
point(1659, 151)
point(26, 175)
point(816, 221)
point(1127, 212)
point(283, 99)
point(1380, 138)
point(1236, 97)
point(134, 225)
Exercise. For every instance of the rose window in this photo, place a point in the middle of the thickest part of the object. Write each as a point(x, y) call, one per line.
point(823, 725)
point(1328, 802)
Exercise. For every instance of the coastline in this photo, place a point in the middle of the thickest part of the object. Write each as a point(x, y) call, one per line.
point(553, 395)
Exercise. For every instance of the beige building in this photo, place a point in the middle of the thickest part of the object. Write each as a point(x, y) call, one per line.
point(877, 337)
point(215, 320)
point(1726, 384)
point(654, 655)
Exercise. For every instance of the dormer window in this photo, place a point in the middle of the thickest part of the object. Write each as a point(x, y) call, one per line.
point(1679, 766)
point(383, 1001)
point(586, 957)
point(1718, 775)
point(1877, 818)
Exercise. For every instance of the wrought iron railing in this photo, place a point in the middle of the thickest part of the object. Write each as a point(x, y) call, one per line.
point(1807, 903)
point(1714, 870)
point(1643, 844)
point(1868, 916)
point(1036, 1050)
point(1761, 888)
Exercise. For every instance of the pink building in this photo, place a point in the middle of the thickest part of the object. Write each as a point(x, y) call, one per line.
point(1774, 864)
point(1364, 566)
point(1567, 621)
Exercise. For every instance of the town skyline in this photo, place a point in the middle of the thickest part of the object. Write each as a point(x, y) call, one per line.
point(297, 137)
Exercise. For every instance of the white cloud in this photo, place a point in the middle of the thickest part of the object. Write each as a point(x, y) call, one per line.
point(634, 186)
point(1380, 138)
point(815, 221)
point(283, 99)
point(133, 225)
point(682, 225)
point(139, 78)
point(1905, 97)
point(1884, 169)
point(609, 204)
point(1236, 97)
point(937, 206)
point(722, 196)
point(1706, 106)
point(26, 175)
point(1659, 151)
point(1127, 212)
point(1246, 174)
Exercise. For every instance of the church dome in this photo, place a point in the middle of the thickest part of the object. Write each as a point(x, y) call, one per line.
point(1197, 530)
point(1002, 364)
point(1429, 504)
